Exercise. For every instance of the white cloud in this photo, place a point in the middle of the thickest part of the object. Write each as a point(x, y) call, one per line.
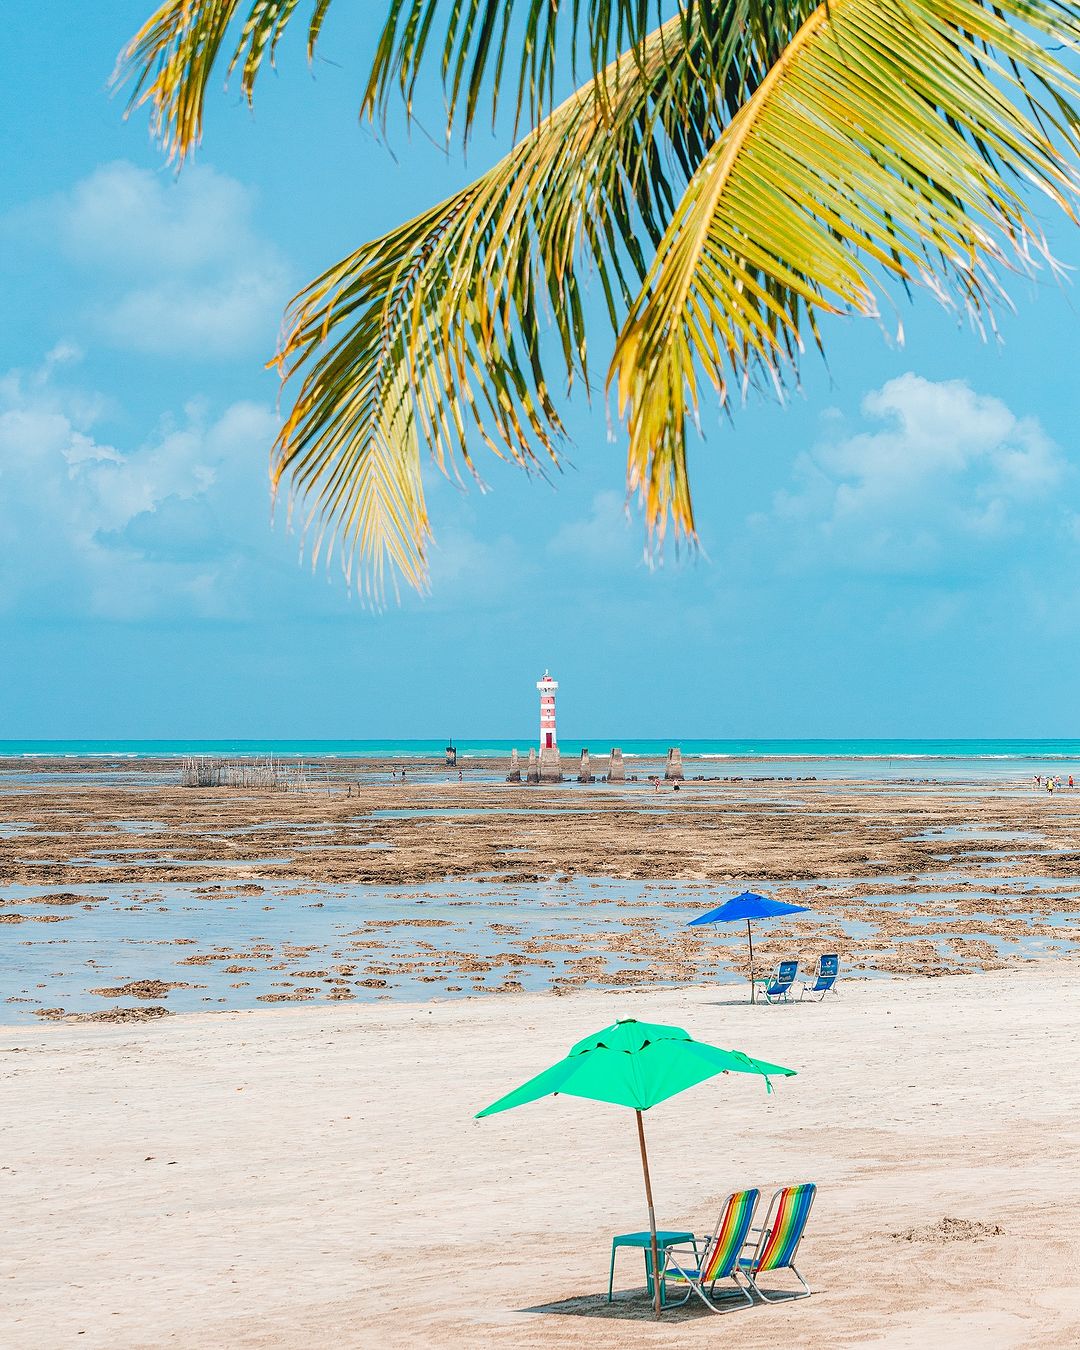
point(178, 265)
point(605, 535)
point(466, 569)
point(950, 472)
point(184, 317)
point(89, 528)
point(123, 217)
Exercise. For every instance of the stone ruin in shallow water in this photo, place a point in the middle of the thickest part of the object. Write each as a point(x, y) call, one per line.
point(674, 772)
point(584, 772)
point(514, 776)
point(616, 770)
point(550, 764)
point(533, 775)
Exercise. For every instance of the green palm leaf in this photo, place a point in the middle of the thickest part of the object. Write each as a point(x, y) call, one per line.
point(890, 139)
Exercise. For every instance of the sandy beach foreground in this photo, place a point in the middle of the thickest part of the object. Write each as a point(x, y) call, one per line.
point(313, 1176)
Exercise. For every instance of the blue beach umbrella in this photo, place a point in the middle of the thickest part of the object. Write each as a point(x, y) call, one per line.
point(748, 906)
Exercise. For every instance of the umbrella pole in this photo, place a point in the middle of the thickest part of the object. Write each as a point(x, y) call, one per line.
point(652, 1215)
point(750, 939)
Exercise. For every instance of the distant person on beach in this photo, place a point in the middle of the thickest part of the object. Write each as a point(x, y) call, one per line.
point(1070, 780)
point(460, 776)
point(1038, 780)
point(1050, 786)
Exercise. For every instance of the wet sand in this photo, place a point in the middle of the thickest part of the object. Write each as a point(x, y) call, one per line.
point(146, 827)
point(115, 881)
point(313, 1176)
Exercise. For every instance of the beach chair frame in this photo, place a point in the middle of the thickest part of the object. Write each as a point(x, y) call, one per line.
point(720, 1259)
point(762, 1260)
point(824, 982)
point(776, 978)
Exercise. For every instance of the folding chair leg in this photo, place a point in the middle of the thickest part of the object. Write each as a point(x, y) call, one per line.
point(707, 1300)
point(666, 1302)
point(806, 1288)
point(611, 1274)
point(783, 1298)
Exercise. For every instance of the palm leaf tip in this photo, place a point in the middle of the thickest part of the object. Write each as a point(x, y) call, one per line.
point(171, 59)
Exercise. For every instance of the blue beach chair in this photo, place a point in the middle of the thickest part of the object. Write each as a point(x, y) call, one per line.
point(828, 968)
point(776, 987)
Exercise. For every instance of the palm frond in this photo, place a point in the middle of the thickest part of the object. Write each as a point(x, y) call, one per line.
point(472, 40)
point(488, 52)
point(170, 59)
point(434, 333)
point(891, 139)
point(784, 160)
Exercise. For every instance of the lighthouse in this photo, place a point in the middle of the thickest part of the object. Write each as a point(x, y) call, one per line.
point(547, 687)
point(550, 764)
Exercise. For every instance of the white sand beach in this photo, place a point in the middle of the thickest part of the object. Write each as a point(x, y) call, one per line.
point(313, 1176)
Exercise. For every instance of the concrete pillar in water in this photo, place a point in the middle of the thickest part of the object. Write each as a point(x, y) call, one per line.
point(550, 764)
point(514, 776)
point(616, 770)
point(533, 772)
point(584, 773)
point(674, 765)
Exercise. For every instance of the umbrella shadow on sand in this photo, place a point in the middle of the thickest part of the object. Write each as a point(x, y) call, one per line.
point(635, 1305)
point(632, 1306)
point(740, 1002)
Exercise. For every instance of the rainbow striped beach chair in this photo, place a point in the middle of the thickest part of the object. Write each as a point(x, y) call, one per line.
point(780, 1235)
point(720, 1260)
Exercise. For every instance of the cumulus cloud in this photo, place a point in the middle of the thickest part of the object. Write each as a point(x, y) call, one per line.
point(91, 528)
point(947, 472)
point(177, 265)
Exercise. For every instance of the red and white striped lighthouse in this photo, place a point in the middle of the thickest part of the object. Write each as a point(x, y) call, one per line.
point(547, 687)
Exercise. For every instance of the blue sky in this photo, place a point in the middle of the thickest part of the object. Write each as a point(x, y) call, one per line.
point(893, 553)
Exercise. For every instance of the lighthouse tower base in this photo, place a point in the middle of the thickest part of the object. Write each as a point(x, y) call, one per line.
point(550, 764)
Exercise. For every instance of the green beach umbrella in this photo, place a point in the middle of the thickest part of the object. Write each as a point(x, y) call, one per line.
point(635, 1064)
